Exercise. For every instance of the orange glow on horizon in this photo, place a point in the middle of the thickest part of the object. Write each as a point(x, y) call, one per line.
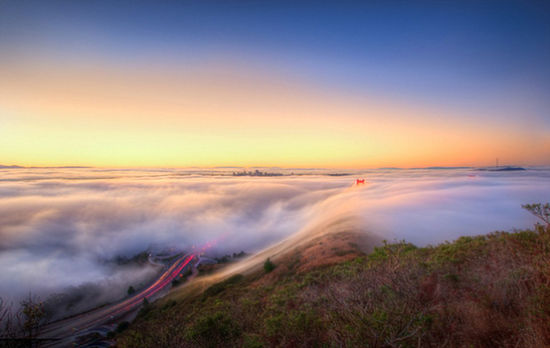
point(220, 117)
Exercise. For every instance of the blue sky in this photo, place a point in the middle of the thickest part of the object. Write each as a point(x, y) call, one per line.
point(485, 59)
point(440, 51)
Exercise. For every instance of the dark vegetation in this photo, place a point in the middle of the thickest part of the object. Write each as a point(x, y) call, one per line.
point(229, 258)
point(123, 325)
point(139, 259)
point(221, 286)
point(221, 262)
point(20, 327)
point(268, 266)
point(182, 279)
point(484, 291)
point(74, 300)
point(84, 297)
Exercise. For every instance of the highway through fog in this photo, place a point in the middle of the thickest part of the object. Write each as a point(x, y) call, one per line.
point(63, 332)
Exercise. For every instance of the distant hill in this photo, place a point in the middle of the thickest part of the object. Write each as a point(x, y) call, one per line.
point(501, 169)
point(439, 168)
point(60, 167)
point(432, 168)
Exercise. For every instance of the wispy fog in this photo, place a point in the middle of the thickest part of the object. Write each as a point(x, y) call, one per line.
point(60, 227)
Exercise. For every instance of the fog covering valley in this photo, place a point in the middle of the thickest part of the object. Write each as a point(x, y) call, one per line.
point(61, 228)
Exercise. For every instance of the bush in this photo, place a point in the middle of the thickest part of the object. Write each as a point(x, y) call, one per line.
point(123, 325)
point(214, 330)
point(268, 266)
point(221, 286)
point(145, 308)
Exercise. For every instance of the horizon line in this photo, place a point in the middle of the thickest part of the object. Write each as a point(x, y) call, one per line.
point(17, 166)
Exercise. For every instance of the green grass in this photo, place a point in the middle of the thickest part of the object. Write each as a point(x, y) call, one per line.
point(491, 290)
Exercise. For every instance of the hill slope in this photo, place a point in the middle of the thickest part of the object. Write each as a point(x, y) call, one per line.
point(491, 290)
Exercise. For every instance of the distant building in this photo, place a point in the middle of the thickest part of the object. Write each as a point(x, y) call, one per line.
point(255, 173)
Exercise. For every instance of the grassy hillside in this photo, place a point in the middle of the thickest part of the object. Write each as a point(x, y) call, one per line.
point(489, 291)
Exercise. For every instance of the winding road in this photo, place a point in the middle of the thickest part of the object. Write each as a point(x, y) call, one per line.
point(64, 331)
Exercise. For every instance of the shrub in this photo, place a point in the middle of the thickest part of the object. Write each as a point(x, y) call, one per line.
point(145, 309)
point(214, 330)
point(221, 286)
point(32, 311)
point(268, 266)
point(123, 325)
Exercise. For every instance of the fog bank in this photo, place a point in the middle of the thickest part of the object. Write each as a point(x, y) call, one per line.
point(59, 226)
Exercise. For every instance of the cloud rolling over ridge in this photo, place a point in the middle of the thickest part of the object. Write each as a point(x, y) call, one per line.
point(59, 226)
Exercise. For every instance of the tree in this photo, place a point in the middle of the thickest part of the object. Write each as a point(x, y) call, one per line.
point(268, 266)
point(131, 290)
point(146, 307)
point(24, 324)
point(541, 211)
point(33, 312)
point(7, 321)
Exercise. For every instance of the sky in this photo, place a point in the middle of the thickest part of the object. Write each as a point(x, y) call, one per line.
point(282, 83)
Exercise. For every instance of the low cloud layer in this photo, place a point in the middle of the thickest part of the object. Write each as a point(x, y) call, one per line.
point(59, 226)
